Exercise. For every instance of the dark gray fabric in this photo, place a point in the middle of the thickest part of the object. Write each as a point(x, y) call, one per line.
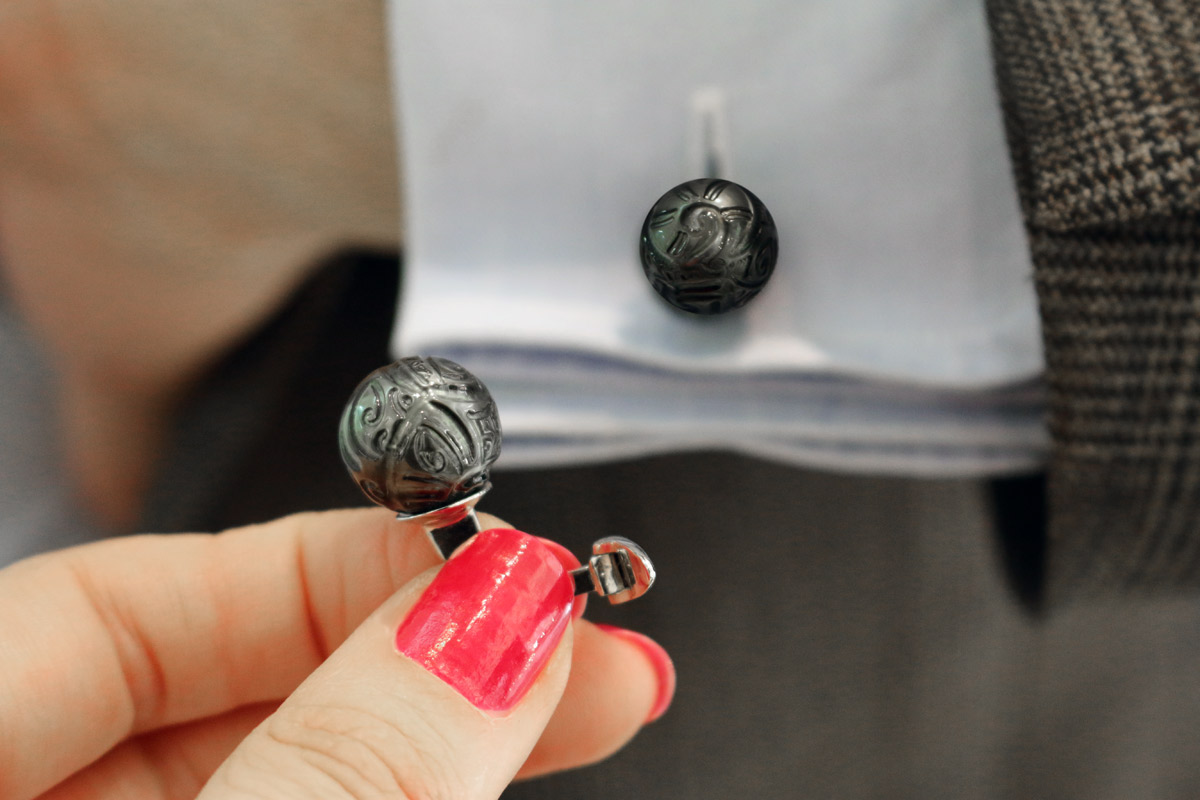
point(1102, 102)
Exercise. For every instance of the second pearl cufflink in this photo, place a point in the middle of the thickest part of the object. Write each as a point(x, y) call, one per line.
point(708, 246)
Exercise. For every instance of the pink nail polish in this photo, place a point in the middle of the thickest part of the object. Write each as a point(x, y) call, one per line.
point(491, 618)
point(569, 561)
point(664, 669)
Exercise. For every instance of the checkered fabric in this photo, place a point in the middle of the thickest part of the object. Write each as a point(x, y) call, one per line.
point(1102, 104)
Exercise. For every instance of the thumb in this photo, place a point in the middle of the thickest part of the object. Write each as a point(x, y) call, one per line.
point(441, 693)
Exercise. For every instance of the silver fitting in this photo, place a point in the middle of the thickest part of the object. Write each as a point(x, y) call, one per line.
point(618, 570)
point(451, 526)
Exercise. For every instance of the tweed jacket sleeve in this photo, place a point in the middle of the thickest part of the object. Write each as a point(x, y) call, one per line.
point(1102, 107)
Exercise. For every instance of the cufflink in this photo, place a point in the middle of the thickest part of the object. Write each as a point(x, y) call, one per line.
point(708, 246)
point(420, 436)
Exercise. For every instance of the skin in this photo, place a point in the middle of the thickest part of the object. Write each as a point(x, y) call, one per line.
point(168, 173)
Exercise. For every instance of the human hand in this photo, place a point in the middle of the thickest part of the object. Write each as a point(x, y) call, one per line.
point(134, 667)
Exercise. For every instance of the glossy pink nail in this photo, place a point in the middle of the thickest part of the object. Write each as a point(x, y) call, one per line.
point(491, 618)
point(664, 669)
point(569, 561)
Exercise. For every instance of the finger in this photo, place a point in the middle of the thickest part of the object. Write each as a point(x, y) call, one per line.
point(128, 635)
point(597, 714)
point(165, 764)
point(442, 693)
point(590, 723)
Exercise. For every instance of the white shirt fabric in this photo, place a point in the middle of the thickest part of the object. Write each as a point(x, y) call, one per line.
point(899, 332)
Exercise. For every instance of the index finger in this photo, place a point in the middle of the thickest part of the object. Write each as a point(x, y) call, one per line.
point(132, 634)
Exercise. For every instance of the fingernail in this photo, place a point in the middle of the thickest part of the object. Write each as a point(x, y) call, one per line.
point(491, 618)
point(569, 561)
point(664, 669)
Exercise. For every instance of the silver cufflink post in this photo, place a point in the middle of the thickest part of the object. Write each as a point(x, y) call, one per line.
point(618, 570)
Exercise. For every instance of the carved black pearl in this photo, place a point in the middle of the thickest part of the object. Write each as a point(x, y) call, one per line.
point(420, 434)
point(419, 437)
point(708, 246)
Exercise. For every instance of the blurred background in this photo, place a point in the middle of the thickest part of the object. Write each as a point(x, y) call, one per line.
point(200, 229)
